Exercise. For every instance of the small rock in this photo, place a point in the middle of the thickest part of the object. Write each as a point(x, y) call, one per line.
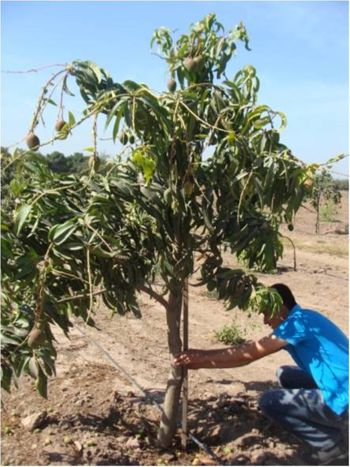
point(121, 439)
point(205, 460)
point(216, 431)
point(78, 446)
point(79, 402)
point(289, 452)
point(132, 443)
point(35, 421)
point(67, 439)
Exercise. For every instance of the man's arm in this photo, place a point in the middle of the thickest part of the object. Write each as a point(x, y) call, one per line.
point(230, 357)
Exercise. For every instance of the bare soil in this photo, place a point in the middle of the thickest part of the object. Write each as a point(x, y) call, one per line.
point(96, 415)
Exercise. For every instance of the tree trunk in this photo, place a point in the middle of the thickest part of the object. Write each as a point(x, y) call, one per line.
point(318, 220)
point(168, 420)
point(318, 207)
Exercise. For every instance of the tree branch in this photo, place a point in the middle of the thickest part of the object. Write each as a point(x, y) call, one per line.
point(84, 295)
point(154, 295)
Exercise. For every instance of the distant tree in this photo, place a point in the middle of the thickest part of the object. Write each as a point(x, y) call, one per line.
point(341, 184)
point(77, 162)
point(58, 162)
point(74, 163)
point(324, 190)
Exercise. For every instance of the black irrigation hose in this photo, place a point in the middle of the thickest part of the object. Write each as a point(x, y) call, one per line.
point(147, 396)
point(325, 273)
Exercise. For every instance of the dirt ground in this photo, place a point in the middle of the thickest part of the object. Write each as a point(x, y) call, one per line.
point(94, 415)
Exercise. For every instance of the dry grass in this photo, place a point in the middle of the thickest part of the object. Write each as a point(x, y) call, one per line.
point(335, 247)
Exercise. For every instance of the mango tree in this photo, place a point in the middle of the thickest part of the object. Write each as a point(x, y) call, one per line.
point(203, 171)
point(324, 191)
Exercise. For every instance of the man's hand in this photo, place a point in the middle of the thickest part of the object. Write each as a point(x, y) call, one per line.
point(230, 357)
point(191, 359)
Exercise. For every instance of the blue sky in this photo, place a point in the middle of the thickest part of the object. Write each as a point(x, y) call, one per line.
point(300, 51)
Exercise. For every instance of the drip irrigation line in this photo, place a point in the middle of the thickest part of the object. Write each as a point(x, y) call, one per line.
point(119, 368)
point(147, 396)
point(325, 273)
point(336, 231)
point(308, 271)
point(184, 369)
point(321, 234)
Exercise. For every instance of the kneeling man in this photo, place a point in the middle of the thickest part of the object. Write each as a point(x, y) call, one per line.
point(313, 400)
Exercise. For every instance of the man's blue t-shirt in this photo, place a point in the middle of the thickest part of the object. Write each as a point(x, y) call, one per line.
point(321, 349)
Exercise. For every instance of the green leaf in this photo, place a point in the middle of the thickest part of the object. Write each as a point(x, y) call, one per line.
point(207, 222)
point(65, 87)
point(74, 246)
point(33, 367)
point(21, 217)
point(41, 383)
point(131, 85)
point(6, 248)
point(335, 159)
point(242, 175)
point(5, 340)
point(71, 119)
point(258, 124)
point(6, 376)
point(50, 101)
point(283, 121)
point(59, 233)
point(141, 159)
point(116, 110)
point(16, 186)
point(97, 71)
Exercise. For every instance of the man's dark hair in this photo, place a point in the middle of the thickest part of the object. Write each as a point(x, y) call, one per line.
point(286, 295)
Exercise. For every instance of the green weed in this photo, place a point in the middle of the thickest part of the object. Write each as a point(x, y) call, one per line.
point(230, 335)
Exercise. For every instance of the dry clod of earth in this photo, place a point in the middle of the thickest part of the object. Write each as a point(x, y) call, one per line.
point(35, 421)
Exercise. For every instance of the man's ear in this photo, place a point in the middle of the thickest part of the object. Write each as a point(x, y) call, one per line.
point(284, 311)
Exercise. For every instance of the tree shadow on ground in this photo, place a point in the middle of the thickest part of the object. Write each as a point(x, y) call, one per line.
point(238, 423)
point(231, 425)
point(227, 421)
point(224, 418)
point(260, 385)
